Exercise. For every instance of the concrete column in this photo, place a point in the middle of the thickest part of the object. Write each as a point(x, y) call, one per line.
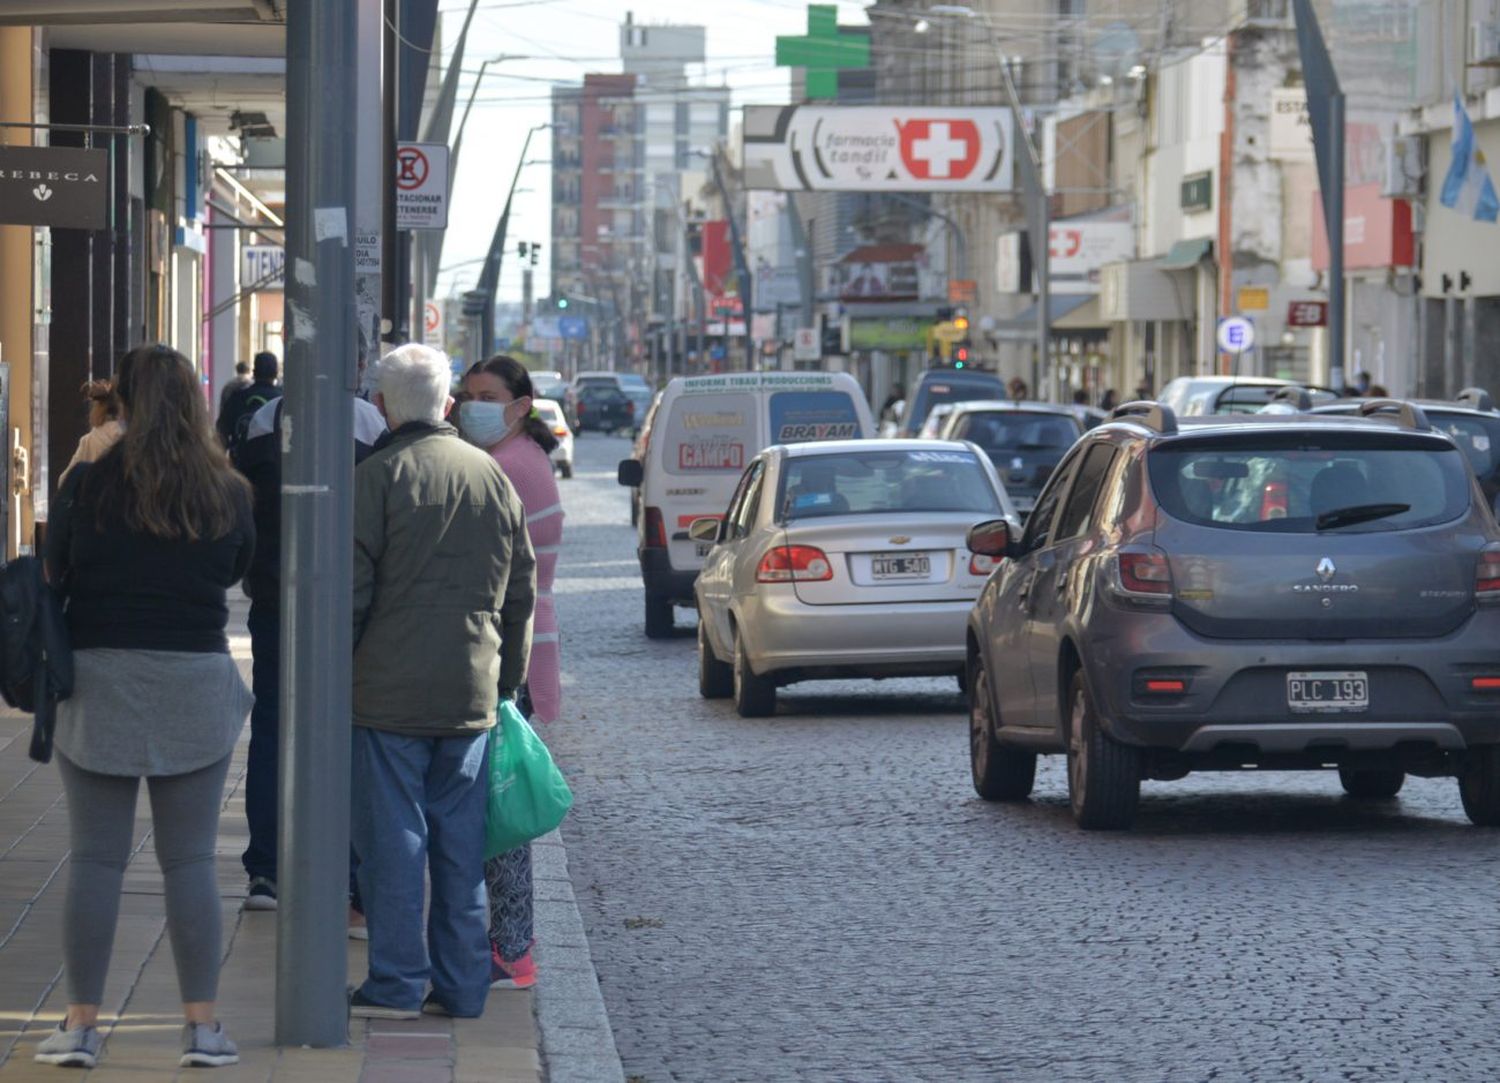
point(223, 329)
point(16, 275)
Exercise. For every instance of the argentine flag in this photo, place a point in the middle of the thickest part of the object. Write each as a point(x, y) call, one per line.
point(1468, 188)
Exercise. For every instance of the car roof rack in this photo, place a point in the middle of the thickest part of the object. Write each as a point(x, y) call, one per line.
point(1409, 415)
point(1476, 397)
point(1295, 396)
point(1156, 416)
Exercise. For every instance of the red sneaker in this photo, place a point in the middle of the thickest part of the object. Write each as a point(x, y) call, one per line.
point(517, 974)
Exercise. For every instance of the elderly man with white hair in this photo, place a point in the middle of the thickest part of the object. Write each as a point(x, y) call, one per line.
point(444, 585)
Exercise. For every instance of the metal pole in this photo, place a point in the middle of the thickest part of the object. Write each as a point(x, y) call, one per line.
point(1470, 334)
point(390, 247)
point(1450, 347)
point(489, 278)
point(317, 523)
point(746, 286)
point(1335, 216)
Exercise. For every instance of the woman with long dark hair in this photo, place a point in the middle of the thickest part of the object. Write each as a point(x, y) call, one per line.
point(497, 415)
point(144, 545)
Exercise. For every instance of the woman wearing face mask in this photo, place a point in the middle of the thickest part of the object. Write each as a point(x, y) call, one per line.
point(497, 416)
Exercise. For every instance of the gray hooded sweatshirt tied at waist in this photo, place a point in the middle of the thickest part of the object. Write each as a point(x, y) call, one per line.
point(444, 585)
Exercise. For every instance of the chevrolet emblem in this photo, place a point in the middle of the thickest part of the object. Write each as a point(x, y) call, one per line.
point(900, 539)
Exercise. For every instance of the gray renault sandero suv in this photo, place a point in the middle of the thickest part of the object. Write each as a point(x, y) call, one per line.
point(1221, 593)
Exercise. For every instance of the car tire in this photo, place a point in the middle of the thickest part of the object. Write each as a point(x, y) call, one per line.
point(754, 697)
point(715, 678)
point(1001, 772)
point(1104, 776)
point(1371, 785)
point(659, 622)
point(1479, 785)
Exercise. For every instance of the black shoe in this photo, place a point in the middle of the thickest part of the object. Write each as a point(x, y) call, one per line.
point(362, 1007)
point(433, 1006)
point(262, 894)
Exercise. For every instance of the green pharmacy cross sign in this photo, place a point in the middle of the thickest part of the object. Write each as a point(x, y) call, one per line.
point(823, 51)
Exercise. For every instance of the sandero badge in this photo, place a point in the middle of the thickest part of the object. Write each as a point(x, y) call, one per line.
point(1326, 570)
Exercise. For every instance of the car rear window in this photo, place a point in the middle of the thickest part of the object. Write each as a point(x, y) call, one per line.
point(879, 482)
point(709, 434)
point(1301, 483)
point(1018, 430)
point(1475, 436)
point(806, 416)
point(957, 388)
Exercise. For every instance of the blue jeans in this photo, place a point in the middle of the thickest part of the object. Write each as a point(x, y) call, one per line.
point(260, 771)
point(420, 801)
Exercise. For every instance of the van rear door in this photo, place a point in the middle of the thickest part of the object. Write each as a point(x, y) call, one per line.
point(703, 440)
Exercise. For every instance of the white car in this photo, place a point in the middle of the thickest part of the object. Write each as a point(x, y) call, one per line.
point(562, 455)
point(843, 559)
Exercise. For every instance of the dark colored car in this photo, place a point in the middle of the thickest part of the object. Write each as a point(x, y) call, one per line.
point(1290, 592)
point(641, 398)
point(604, 409)
point(1025, 441)
point(946, 385)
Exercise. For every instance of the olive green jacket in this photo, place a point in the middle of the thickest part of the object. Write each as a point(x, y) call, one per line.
point(444, 585)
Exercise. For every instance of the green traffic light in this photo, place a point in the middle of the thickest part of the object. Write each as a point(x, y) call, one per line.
point(562, 302)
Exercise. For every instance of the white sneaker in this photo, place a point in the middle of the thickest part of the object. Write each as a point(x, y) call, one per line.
point(205, 1046)
point(76, 1048)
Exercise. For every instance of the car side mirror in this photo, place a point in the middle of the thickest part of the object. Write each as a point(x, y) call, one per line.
point(705, 529)
point(990, 539)
point(631, 473)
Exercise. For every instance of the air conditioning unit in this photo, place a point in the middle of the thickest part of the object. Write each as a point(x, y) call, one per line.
point(1484, 44)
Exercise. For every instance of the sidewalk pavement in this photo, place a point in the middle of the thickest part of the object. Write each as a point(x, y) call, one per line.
point(141, 1014)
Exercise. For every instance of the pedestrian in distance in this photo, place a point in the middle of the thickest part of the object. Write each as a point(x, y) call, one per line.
point(144, 544)
point(104, 425)
point(234, 420)
point(258, 458)
point(497, 415)
point(241, 379)
point(444, 588)
point(1109, 400)
point(1018, 389)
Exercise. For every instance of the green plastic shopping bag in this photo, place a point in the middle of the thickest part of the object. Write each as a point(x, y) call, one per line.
point(528, 795)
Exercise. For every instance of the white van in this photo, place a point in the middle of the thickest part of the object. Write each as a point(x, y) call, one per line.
point(704, 433)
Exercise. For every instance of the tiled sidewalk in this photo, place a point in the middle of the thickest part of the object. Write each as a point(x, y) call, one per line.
point(141, 1010)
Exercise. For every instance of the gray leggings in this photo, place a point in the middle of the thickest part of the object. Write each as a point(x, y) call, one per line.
point(185, 822)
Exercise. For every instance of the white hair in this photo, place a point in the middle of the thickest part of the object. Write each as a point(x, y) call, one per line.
point(414, 380)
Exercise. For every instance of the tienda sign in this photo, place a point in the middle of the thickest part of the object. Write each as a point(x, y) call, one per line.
point(859, 148)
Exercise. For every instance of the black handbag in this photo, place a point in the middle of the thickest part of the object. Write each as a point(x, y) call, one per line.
point(36, 660)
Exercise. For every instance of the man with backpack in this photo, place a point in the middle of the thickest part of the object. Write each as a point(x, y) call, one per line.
point(234, 419)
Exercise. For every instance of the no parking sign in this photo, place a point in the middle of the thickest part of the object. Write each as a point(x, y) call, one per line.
point(421, 186)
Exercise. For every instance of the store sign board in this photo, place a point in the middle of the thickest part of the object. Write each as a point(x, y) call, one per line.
point(1291, 127)
point(1198, 192)
point(262, 267)
point(1078, 250)
point(61, 187)
point(1307, 314)
point(887, 334)
point(869, 148)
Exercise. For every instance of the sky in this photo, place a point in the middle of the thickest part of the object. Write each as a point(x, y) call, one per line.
point(561, 40)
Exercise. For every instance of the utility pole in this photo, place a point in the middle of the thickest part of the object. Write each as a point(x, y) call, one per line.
point(1325, 112)
point(742, 268)
point(317, 524)
point(489, 278)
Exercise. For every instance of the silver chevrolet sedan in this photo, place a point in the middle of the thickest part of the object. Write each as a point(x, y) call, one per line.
point(843, 559)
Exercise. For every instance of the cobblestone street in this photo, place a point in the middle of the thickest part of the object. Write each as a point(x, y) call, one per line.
point(820, 895)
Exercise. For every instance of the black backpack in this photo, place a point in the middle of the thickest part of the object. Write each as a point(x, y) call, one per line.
point(36, 661)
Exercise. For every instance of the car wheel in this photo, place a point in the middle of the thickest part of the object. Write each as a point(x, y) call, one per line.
point(565, 468)
point(1371, 785)
point(1479, 785)
point(1001, 772)
point(658, 617)
point(754, 697)
point(1104, 776)
point(715, 678)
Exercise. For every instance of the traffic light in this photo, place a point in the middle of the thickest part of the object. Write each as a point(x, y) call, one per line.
point(961, 323)
point(961, 356)
point(521, 249)
point(562, 304)
point(536, 252)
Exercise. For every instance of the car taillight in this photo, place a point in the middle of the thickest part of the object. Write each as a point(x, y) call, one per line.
point(656, 529)
point(560, 430)
point(794, 564)
point(1145, 573)
point(979, 564)
point(1485, 684)
point(1273, 501)
point(1487, 574)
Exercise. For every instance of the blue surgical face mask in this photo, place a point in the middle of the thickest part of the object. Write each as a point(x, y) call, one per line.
point(484, 424)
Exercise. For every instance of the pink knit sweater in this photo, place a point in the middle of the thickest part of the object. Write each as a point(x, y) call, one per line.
point(530, 471)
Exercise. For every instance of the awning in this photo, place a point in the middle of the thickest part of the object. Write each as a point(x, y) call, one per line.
point(1085, 317)
point(1023, 326)
point(1185, 255)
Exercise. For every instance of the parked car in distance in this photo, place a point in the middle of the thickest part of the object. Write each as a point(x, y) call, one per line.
point(551, 386)
point(937, 417)
point(844, 559)
point(1277, 591)
point(946, 385)
point(1025, 441)
point(604, 409)
point(1198, 396)
point(552, 415)
point(641, 398)
point(705, 431)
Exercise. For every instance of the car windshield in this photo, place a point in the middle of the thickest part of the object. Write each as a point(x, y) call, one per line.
point(1000, 432)
point(882, 482)
point(1302, 483)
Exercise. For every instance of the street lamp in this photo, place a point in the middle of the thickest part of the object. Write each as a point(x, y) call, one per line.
point(1029, 166)
point(489, 278)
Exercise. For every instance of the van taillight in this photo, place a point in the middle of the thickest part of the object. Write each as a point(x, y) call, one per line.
point(1145, 573)
point(1273, 501)
point(656, 529)
point(794, 564)
point(1487, 574)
